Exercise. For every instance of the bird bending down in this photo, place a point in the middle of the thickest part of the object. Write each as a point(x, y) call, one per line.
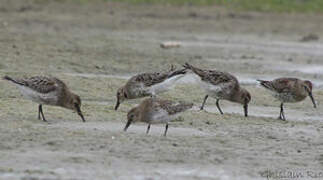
point(289, 90)
point(47, 91)
point(221, 85)
point(155, 110)
point(148, 84)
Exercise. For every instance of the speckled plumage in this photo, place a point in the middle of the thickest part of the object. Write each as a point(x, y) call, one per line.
point(221, 85)
point(289, 90)
point(148, 84)
point(155, 110)
point(47, 91)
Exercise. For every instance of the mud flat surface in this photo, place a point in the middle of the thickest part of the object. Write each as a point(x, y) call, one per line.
point(95, 47)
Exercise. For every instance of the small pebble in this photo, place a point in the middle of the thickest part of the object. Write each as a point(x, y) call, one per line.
point(170, 44)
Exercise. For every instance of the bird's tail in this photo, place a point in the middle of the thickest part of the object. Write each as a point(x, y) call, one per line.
point(266, 84)
point(177, 72)
point(12, 80)
point(196, 70)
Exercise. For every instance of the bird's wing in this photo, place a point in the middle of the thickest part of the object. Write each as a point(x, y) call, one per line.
point(282, 85)
point(279, 85)
point(40, 84)
point(211, 76)
point(172, 107)
point(218, 77)
point(150, 79)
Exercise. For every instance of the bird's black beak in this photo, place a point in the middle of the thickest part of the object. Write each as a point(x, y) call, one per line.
point(79, 112)
point(127, 125)
point(117, 105)
point(245, 107)
point(312, 98)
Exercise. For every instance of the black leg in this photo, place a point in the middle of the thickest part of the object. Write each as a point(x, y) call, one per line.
point(39, 107)
point(204, 101)
point(282, 115)
point(217, 105)
point(41, 112)
point(166, 128)
point(148, 128)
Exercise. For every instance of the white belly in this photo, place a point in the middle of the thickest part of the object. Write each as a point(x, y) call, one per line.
point(138, 90)
point(214, 91)
point(41, 98)
point(164, 86)
point(161, 117)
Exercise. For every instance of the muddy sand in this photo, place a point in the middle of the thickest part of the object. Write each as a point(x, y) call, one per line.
point(95, 47)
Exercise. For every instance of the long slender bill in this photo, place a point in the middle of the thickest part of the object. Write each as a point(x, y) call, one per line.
point(117, 105)
point(127, 125)
point(245, 110)
point(79, 112)
point(312, 98)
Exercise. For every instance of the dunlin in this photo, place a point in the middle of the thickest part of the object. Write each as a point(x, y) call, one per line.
point(221, 85)
point(289, 90)
point(155, 110)
point(148, 84)
point(48, 91)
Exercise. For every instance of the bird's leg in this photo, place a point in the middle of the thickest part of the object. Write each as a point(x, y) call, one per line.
point(218, 106)
point(39, 107)
point(41, 112)
point(204, 101)
point(166, 128)
point(148, 128)
point(282, 115)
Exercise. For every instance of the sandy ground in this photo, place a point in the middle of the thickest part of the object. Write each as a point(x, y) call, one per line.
point(95, 47)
